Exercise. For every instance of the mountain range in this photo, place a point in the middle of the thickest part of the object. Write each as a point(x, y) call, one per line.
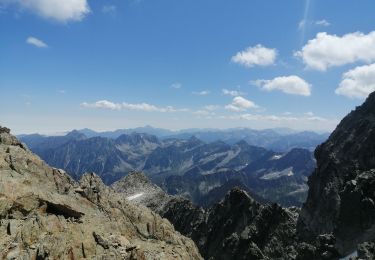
point(46, 214)
point(336, 222)
point(188, 167)
point(276, 139)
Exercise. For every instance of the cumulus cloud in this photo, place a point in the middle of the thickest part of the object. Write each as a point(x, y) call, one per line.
point(287, 84)
point(36, 42)
point(240, 104)
point(255, 56)
point(327, 50)
point(201, 93)
point(232, 93)
point(59, 10)
point(105, 104)
point(358, 82)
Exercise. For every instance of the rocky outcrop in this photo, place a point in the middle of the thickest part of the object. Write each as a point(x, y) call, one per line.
point(341, 195)
point(241, 228)
point(236, 228)
point(137, 188)
point(45, 214)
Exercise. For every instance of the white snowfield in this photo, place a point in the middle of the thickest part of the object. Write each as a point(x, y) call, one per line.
point(133, 197)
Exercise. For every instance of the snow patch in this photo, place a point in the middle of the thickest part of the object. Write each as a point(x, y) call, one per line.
point(133, 197)
point(275, 175)
point(277, 157)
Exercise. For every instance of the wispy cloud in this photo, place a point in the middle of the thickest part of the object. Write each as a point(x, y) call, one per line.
point(105, 104)
point(255, 56)
point(36, 42)
point(176, 85)
point(211, 107)
point(258, 117)
point(201, 93)
point(232, 93)
point(323, 23)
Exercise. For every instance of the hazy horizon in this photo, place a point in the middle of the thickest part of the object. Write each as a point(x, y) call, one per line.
point(187, 130)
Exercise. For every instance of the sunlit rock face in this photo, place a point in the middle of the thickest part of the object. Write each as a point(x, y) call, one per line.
point(45, 214)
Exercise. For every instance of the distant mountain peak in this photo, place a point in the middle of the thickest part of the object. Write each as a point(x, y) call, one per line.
point(76, 135)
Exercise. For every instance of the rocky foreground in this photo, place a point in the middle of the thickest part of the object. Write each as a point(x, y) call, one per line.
point(44, 214)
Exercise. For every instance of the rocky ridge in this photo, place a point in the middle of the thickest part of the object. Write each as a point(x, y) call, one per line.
point(341, 196)
point(45, 214)
point(236, 228)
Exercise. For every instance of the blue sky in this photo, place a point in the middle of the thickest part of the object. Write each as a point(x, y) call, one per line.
point(108, 64)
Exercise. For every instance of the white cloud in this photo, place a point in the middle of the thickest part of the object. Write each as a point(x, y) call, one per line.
point(59, 10)
point(327, 50)
point(232, 93)
point(36, 42)
point(109, 9)
point(322, 22)
point(176, 85)
point(358, 82)
point(276, 118)
point(240, 104)
point(201, 93)
point(105, 104)
point(287, 84)
point(257, 55)
point(309, 113)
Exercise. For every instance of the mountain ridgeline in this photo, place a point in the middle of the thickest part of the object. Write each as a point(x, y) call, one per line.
point(202, 172)
point(45, 214)
point(336, 222)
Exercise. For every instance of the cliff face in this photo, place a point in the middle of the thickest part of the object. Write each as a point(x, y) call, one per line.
point(341, 195)
point(45, 214)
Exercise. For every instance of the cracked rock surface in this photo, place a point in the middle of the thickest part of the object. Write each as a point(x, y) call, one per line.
point(45, 214)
